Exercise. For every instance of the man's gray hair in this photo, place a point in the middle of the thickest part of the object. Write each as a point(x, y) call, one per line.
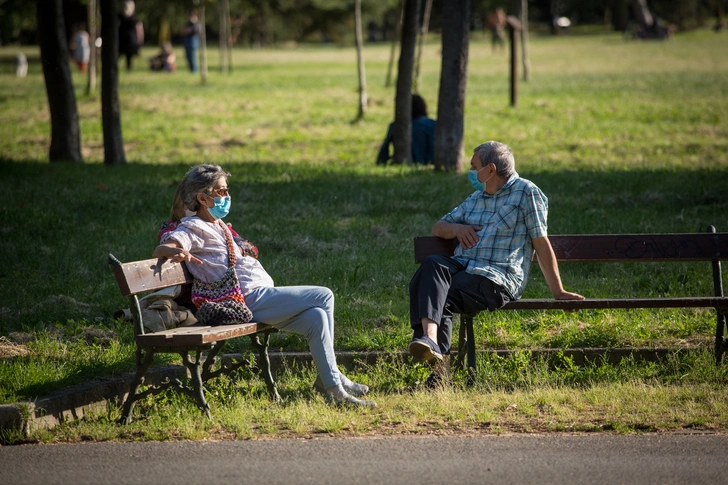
point(499, 154)
point(201, 178)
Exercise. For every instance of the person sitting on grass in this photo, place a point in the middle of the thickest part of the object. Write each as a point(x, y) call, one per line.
point(423, 135)
point(497, 227)
point(165, 61)
point(205, 243)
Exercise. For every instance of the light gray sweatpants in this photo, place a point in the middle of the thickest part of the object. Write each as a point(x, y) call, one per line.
point(304, 310)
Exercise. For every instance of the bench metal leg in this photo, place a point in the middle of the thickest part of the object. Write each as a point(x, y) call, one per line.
point(462, 345)
point(472, 372)
point(720, 324)
point(265, 371)
point(198, 386)
point(466, 347)
point(721, 345)
point(143, 364)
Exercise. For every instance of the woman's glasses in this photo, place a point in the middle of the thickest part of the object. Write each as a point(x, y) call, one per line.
point(222, 192)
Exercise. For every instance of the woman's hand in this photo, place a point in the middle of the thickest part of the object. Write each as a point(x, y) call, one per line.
point(175, 254)
point(184, 255)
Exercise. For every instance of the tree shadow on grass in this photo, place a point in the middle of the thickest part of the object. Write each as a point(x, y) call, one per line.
point(312, 223)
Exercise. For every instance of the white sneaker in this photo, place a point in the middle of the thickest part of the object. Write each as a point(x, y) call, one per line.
point(338, 395)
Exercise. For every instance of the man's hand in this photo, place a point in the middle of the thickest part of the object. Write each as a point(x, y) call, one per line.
point(567, 295)
point(467, 235)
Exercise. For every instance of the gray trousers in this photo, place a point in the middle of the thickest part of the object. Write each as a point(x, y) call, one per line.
point(303, 310)
point(441, 287)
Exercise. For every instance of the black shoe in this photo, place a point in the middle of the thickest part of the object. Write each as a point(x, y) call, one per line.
point(434, 381)
point(425, 349)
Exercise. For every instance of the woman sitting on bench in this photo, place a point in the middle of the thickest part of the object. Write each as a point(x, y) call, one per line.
point(203, 241)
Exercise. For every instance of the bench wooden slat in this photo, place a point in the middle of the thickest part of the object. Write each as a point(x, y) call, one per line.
point(150, 275)
point(197, 335)
point(611, 247)
point(640, 247)
point(603, 303)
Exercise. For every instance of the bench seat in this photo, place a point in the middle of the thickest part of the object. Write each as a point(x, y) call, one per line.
point(605, 303)
point(197, 335)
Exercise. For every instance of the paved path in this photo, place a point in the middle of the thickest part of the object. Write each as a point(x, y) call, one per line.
point(510, 459)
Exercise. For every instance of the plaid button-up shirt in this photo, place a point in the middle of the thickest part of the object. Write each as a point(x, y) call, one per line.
point(511, 218)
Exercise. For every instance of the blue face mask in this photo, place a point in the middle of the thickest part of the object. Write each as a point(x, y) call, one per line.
point(221, 207)
point(473, 177)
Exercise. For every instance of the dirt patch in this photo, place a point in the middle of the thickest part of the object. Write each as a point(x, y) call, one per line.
point(10, 349)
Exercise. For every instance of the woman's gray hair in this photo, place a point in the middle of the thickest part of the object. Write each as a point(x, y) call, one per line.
point(499, 154)
point(201, 178)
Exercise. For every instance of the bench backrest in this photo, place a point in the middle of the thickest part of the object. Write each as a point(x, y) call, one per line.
point(148, 275)
point(612, 247)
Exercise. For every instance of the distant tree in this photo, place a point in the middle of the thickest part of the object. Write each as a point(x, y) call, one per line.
point(65, 130)
point(226, 58)
point(91, 13)
point(203, 43)
point(453, 80)
point(395, 39)
point(524, 41)
point(423, 35)
point(110, 110)
point(360, 61)
point(402, 129)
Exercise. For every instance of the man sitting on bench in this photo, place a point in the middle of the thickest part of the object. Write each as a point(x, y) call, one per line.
point(497, 227)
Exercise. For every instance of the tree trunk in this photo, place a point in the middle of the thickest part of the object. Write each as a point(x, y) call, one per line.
point(91, 85)
point(360, 61)
point(402, 130)
point(524, 41)
point(228, 36)
point(423, 36)
point(620, 15)
point(395, 38)
point(453, 80)
point(221, 37)
point(203, 44)
point(110, 110)
point(65, 131)
point(642, 13)
point(225, 54)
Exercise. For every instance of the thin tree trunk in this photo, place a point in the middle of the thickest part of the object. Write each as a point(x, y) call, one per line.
point(91, 85)
point(619, 15)
point(402, 130)
point(395, 39)
point(222, 7)
point(453, 82)
point(228, 36)
point(423, 35)
point(203, 44)
point(65, 130)
point(524, 41)
point(110, 109)
point(360, 61)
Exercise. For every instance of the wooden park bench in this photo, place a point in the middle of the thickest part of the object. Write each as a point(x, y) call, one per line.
point(205, 342)
point(606, 248)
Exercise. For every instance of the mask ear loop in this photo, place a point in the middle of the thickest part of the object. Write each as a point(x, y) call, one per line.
point(491, 175)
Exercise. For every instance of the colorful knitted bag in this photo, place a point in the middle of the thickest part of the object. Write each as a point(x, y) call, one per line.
point(221, 302)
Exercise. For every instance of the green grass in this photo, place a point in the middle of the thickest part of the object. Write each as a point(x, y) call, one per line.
point(621, 136)
point(515, 394)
